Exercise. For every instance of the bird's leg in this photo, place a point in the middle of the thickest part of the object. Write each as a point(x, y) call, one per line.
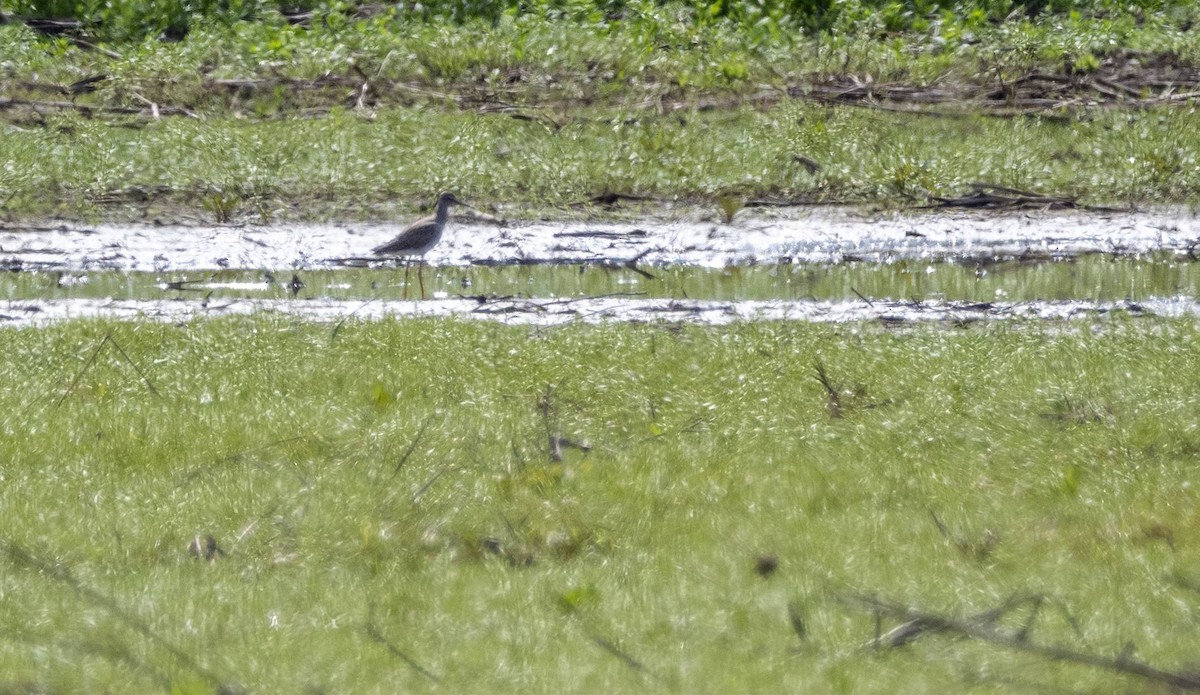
point(420, 279)
point(407, 264)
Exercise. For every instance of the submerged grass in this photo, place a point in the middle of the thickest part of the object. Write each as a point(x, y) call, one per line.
point(1095, 278)
point(390, 500)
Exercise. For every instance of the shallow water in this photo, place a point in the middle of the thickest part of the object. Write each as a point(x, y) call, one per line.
point(553, 312)
point(791, 236)
point(808, 265)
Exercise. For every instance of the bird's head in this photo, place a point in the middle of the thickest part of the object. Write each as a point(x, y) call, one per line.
point(448, 198)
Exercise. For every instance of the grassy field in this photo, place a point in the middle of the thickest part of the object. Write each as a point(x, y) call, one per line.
point(344, 167)
point(392, 518)
point(265, 504)
point(350, 116)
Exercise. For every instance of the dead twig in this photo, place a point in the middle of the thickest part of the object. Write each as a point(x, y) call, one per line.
point(808, 163)
point(446, 467)
point(991, 196)
point(1042, 95)
point(411, 447)
point(337, 327)
point(373, 632)
point(624, 657)
point(982, 627)
point(977, 550)
point(107, 340)
point(796, 618)
point(598, 234)
point(860, 296)
point(86, 365)
point(632, 264)
point(154, 112)
point(21, 557)
point(833, 400)
point(85, 86)
point(99, 49)
point(613, 199)
point(549, 412)
point(86, 109)
point(145, 379)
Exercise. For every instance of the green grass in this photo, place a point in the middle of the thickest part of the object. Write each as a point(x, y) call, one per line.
point(490, 565)
point(659, 103)
point(126, 22)
point(654, 51)
point(346, 167)
point(399, 476)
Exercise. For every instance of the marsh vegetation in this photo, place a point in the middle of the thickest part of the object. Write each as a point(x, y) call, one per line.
point(364, 503)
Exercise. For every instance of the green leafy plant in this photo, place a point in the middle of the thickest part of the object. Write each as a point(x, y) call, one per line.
point(222, 204)
point(730, 204)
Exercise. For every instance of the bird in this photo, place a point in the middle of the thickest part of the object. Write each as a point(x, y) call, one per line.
point(419, 237)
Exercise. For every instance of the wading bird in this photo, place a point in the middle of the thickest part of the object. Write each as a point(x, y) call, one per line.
point(418, 237)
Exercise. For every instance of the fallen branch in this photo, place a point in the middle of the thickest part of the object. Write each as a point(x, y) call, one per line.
point(88, 45)
point(513, 305)
point(87, 110)
point(1036, 94)
point(613, 199)
point(982, 627)
point(991, 196)
point(631, 264)
point(598, 234)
